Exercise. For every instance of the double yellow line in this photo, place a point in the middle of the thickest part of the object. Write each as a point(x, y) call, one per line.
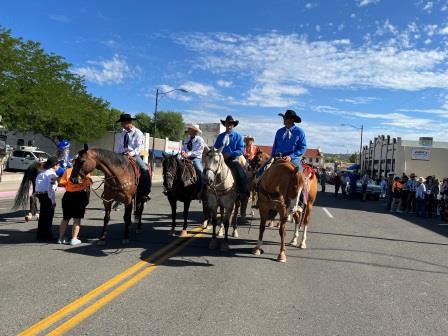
point(159, 257)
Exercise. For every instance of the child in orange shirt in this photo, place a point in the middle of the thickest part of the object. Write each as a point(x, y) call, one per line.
point(74, 204)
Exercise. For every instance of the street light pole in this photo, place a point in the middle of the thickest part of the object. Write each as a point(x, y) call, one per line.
point(158, 94)
point(360, 146)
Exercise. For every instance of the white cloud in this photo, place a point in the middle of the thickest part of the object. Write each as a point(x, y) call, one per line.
point(275, 59)
point(362, 3)
point(199, 88)
point(112, 71)
point(358, 100)
point(59, 18)
point(428, 6)
point(310, 5)
point(317, 28)
point(225, 84)
point(444, 31)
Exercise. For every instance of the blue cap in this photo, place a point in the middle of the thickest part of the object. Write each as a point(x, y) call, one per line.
point(63, 144)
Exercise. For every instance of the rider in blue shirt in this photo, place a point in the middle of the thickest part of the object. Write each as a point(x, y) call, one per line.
point(63, 155)
point(290, 141)
point(233, 147)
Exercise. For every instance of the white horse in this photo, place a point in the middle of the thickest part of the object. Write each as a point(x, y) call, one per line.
point(221, 192)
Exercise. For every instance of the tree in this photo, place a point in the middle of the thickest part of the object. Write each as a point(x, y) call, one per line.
point(169, 125)
point(353, 158)
point(144, 122)
point(39, 93)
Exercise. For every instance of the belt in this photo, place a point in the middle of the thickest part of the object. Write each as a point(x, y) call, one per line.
point(41, 192)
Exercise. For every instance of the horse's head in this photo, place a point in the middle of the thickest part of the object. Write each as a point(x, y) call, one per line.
point(213, 165)
point(170, 166)
point(83, 164)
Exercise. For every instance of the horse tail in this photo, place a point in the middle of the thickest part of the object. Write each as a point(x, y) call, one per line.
point(28, 180)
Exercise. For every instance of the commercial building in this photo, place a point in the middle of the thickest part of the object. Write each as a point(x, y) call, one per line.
point(210, 132)
point(423, 157)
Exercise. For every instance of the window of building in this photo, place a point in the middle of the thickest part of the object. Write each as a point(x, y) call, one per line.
point(317, 160)
point(310, 160)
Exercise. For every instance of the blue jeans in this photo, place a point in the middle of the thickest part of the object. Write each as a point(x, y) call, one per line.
point(420, 207)
point(146, 179)
point(197, 163)
point(236, 167)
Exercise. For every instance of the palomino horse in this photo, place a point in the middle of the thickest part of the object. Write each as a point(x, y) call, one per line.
point(280, 184)
point(221, 192)
point(177, 182)
point(120, 184)
point(23, 195)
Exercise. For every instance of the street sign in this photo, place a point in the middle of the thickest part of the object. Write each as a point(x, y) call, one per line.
point(421, 154)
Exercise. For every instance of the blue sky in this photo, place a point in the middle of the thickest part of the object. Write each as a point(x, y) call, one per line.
point(377, 63)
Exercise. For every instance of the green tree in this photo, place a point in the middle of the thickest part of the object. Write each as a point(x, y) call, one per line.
point(39, 93)
point(144, 122)
point(169, 125)
point(353, 158)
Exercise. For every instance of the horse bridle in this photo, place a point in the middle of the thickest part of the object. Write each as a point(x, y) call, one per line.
point(215, 173)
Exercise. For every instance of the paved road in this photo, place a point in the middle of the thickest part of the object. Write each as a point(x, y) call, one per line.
point(364, 273)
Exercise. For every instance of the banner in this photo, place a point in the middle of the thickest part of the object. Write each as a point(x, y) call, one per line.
point(172, 147)
point(421, 154)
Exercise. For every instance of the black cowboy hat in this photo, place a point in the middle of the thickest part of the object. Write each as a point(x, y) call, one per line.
point(229, 118)
point(51, 162)
point(125, 117)
point(291, 114)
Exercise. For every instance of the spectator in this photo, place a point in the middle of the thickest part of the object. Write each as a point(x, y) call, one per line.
point(337, 184)
point(430, 196)
point(404, 193)
point(323, 179)
point(383, 185)
point(411, 186)
point(344, 185)
point(364, 184)
point(353, 177)
point(389, 192)
point(420, 197)
point(444, 199)
point(396, 195)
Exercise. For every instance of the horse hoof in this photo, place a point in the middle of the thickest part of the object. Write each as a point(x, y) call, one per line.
point(257, 251)
point(138, 231)
point(253, 213)
point(235, 234)
point(221, 233)
point(125, 241)
point(293, 242)
point(302, 246)
point(183, 234)
point(101, 242)
point(37, 216)
point(281, 257)
point(213, 244)
point(28, 218)
point(271, 224)
point(204, 225)
point(224, 247)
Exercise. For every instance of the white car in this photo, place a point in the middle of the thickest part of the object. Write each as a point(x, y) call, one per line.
point(24, 157)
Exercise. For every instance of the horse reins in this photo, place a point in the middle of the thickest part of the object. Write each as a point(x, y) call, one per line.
point(215, 173)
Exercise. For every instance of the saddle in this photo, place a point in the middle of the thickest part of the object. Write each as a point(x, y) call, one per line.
point(192, 173)
point(135, 168)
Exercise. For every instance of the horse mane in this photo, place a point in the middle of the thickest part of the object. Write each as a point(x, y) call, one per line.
point(110, 157)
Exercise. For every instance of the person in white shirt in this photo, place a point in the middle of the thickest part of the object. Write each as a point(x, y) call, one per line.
point(46, 186)
point(131, 144)
point(420, 194)
point(193, 146)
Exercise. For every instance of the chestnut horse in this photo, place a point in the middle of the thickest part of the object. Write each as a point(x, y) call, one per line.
point(280, 184)
point(120, 184)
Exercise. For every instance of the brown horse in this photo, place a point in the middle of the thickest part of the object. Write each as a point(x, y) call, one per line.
point(280, 184)
point(120, 184)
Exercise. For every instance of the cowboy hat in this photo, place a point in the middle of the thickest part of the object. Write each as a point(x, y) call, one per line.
point(291, 114)
point(412, 175)
point(229, 119)
point(193, 127)
point(249, 137)
point(125, 117)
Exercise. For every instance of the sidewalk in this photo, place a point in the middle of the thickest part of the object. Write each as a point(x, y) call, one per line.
point(11, 182)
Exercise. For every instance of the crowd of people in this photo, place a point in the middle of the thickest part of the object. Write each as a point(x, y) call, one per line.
point(425, 197)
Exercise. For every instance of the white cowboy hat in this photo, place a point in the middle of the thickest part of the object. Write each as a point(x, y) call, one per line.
point(249, 137)
point(193, 127)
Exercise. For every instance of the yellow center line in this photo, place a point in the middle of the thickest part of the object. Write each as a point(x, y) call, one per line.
point(58, 315)
point(94, 307)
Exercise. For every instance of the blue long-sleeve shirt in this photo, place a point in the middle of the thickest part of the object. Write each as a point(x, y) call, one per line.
point(236, 144)
point(293, 147)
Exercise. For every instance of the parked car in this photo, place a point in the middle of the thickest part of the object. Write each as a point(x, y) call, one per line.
point(21, 159)
point(373, 189)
